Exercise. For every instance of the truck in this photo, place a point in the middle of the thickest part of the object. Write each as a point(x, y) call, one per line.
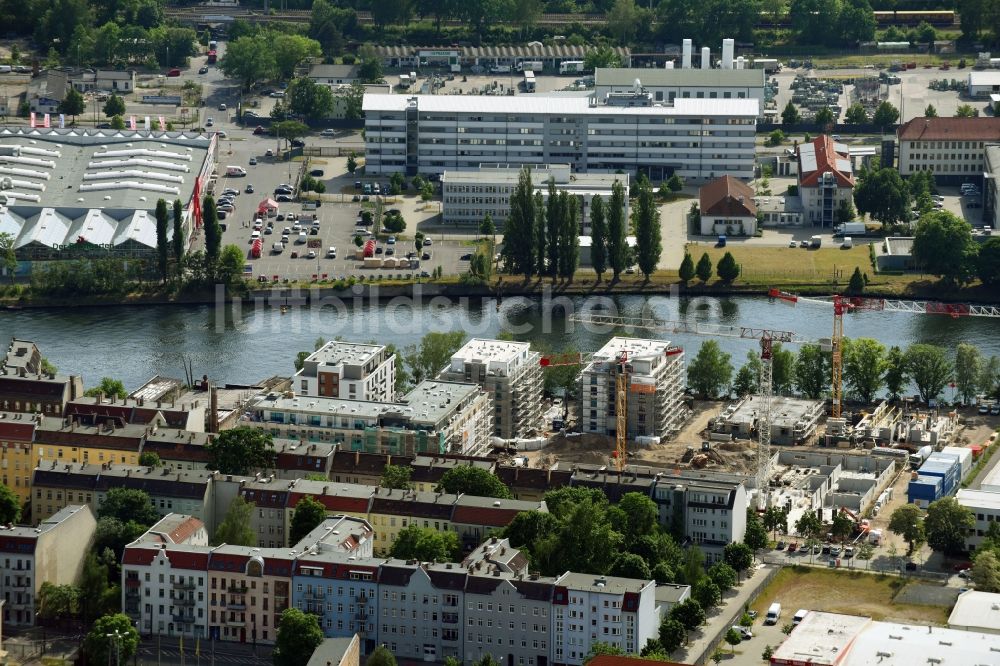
point(816, 242)
point(917, 459)
point(404, 81)
point(212, 57)
point(532, 65)
point(571, 67)
point(850, 229)
point(875, 537)
point(256, 248)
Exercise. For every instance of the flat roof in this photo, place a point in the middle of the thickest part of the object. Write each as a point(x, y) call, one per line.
point(433, 399)
point(992, 478)
point(984, 78)
point(602, 584)
point(509, 174)
point(820, 639)
point(547, 104)
point(485, 350)
point(633, 346)
point(345, 353)
point(688, 78)
point(976, 610)
point(899, 245)
point(979, 498)
point(893, 644)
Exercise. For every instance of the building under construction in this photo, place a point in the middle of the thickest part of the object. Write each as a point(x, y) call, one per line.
point(655, 404)
point(793, 420)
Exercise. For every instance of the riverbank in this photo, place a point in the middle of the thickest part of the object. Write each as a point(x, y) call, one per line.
point(661, 283)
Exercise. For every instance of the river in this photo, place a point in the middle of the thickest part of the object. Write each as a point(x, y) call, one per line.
point(249, 344)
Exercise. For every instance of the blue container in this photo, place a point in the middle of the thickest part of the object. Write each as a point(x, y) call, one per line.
point(925, 489)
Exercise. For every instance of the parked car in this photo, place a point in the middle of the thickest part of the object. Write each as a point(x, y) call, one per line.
point(744, 633)
point(249, 189)
point(203, 70)
point(316, 173)
point(427, 242)
point(328, 132)
point(253, 161)
point(277, 94)
point(269, 153)
point(209, 122)
point(258, 130)
point(283, 198)
point(222, 107)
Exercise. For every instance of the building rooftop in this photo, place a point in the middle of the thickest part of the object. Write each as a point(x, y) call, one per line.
point(480, 350)
point(785, 411)
point(324, 71)
point(976, 610)
point(687, 78)
point(430, 401)
point(602, 584)
point(173, 528)
point(671, 593)
point(561, 173)
point(986, 128)
point(822, 155)
point(50, 523)
point(727, 196)
point(529, 51)
point(539, 103)
point(345, 353)
point(898, 245)
point(634, 347)
point(984, 78)
point(332, 651)
point(820, 639)
point(893, 644)
point(981, 498)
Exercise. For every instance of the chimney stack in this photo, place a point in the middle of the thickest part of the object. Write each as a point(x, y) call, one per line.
point(686, 56)
point(706, 58)
point(728, 50)
point(214, 407)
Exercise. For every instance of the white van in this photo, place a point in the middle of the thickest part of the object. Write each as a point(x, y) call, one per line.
point(800, 615)
point(773, 614)
point(277, 248)
point(302, 238)
point(848, 243)
point(332, 252)
point(235, 171)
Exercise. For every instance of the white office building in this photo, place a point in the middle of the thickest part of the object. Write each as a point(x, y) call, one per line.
point(467, 196)
point(699, 139)
point(951, 148)
point(348, 370)
point(655, 390)
point(666, 85)
point(985, 508)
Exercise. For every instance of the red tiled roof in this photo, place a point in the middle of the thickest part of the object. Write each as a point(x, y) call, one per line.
point(143, 556)
point(194, 561)
point(16, 430)
point(826, 162)
point(184, 531)
point(727, 196)
point(482, 515)
point(333, 502)
point(986, 128)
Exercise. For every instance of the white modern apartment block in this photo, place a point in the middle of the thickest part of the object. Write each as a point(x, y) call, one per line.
point(467, 196)
point(952, 148)
point(349, 370)
point(666, 85)
point(511, 373)
point(619, 611)
point(53, 552)
point(985, 508)
point(655, 391)
point(699, 139)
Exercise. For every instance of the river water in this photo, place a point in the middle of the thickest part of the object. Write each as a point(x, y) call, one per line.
point(251, 343)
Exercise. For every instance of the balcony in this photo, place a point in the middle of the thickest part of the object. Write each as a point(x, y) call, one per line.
point(182, 601)
point(183, 619)
point(238, 589)
point(236, 606)
point(235, 621)
point(318, 593)
point(449, 618)
point(362, 599)
point(183, 585)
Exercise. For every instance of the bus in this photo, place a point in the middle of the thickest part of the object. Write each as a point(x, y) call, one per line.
point(529, 81)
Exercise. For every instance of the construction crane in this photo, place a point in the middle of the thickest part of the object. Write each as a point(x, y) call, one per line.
point(843, 304)
point(767, 338)
point(622, 383)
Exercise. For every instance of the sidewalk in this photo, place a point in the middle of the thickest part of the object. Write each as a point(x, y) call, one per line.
point(705, 639)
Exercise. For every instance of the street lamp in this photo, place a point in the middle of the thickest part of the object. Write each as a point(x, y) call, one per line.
point(116, 640)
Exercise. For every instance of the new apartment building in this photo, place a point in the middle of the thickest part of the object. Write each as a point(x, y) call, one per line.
point(826, 180)
point(53, 552)
point(951, 148)
point(435, 417)
point(511, 373)
point(667, 85)
point(468, 196)
point(698, 139)
point(349, 370)
point(656, 382)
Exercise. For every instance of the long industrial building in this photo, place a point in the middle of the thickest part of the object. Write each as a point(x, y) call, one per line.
point(698, 139)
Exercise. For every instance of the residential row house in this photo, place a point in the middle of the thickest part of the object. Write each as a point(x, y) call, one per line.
point(53, 552)
point(489, 604)
point(25, 386)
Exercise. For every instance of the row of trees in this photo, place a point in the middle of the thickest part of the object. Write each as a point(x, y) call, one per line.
point(727, 269)
point(943, 245)
point(869, 368)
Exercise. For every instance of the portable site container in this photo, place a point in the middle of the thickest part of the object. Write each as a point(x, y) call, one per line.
point(924, 489)
point(964, 458)
point(945, 467)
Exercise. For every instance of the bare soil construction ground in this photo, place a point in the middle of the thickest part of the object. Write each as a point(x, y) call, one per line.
point(853, 593)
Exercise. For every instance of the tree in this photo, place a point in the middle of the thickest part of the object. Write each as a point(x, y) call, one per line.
point(845, 211)
point(289, 130)
point(630, 565)
point(856, 285)
point(704, 268)
point(946, 524)
point(646, 221)
point(943, 246)
point(689, 613)
point(907, 522)
point(640, 516)
point(433, 354)
point(985, 572)
point(711, 370)
point(882, 194)
point(928, 368)
point(738, 556)
point(755, 536)
point(812, 375)
point(734, 638)
point(469, 480)
point(111, 635)
point(178, 238)
point(988, 262)
point(10, 506)
point(864, 364)
point(394, 223)
point(569, 236)
point(865, 552)
point(790, 115)
point(306, 517)
point(299, 634)
point(241, 450)
point(824, 116)
point(8, 256)
point(310, 99)
point(58, 602)
point(597, 649)
point(809, 525)
point(396, 476)
point(73, 104)
point(617, 248)
point(723, 575)
point(856, 114)
point(968, 369)
point(519, 250)
point(966, 111)
point(352, 162)
point(775, 520)
point(235, 528)
point(162, 243)
point(706, 593)
point(548, 230)
point(109, 387)
point(127, 504)
point(117, 123)
point(727, 269)
point(841, 526)
point(213, 232)
point(686, 271)
point(249, 59)
point(426, 544)
point(381, 657)
point(115, 106)
point(150, 459)
point(672, 634)
point(623, 18)
point(930, 111)
point(370, 70)
point(290, 50)
point(895, 372)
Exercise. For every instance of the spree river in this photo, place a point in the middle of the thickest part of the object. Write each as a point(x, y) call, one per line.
point(246, 344)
